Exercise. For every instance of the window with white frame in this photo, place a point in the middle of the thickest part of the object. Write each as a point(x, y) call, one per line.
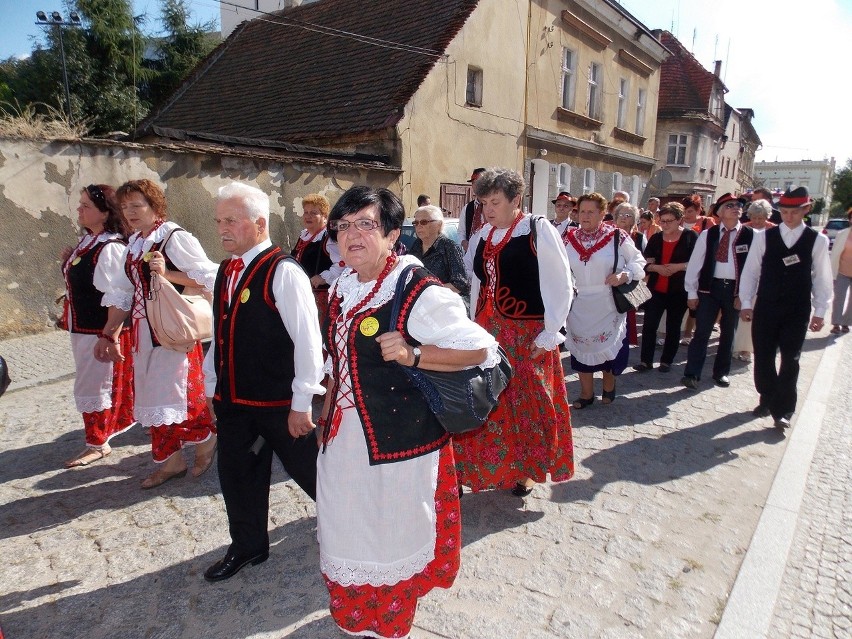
point(594, 98)
point(569, 69)
point(640, 112)
point(473, 94)
point(588, 180)
point(563, 178)
point(616, 182)
point(677, 149)
point(623, 91)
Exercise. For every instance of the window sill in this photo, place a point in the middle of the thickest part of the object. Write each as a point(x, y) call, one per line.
point(678, 166)
point(577, 119)
point(627, 136)
point(473, 105)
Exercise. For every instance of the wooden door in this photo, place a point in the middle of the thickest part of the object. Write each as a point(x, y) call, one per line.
point(454, 197)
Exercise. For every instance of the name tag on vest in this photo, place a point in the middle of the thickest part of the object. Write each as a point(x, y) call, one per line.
point(790, 260)
point(741, 248)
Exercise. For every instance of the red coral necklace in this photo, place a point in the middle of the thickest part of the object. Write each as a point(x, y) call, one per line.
point(382, 276)
point(493, 250)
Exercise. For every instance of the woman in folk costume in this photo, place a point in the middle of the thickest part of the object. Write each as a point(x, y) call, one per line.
point(103, 391)
point(315, 251)
point(597, 332)
point(388, 520)
point(521, 292)
point(169, 385)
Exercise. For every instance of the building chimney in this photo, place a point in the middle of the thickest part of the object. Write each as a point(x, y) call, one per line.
point(717, 69)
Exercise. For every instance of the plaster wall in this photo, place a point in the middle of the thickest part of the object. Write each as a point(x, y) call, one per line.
point(40, 184)
point(442, 137)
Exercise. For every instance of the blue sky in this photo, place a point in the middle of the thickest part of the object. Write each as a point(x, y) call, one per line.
point(783, 60)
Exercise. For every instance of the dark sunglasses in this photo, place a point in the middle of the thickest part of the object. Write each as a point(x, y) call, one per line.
point(97, 196)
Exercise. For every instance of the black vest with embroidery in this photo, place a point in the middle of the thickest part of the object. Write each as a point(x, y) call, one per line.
point(517, 293)
point(788, 285)
point(315, 257)
point(396, 419)
point(87, 314)
point(254, 353)
point(705, 276)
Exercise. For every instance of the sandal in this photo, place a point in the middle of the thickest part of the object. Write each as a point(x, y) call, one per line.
point(160, 477)
point(608, 396)
point(664, 368)
point(88, 456)
point(835, 330)
point(521, 490)
point(581, 402)
point(204, 462)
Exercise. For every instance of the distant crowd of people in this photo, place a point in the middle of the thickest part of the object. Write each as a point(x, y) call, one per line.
point(290, 326)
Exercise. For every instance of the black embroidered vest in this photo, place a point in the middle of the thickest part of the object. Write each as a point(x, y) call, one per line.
point(315, 257)
point(254, 354)
point(397, 422)
point(517, 293)
point(87, 314)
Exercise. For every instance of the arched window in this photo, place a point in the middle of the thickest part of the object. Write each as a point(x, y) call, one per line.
point(616, 182)
point(563, 178)
point(588, 180)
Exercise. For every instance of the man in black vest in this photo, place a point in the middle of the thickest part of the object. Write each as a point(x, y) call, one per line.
point(261, 372)
point(712, 285)
point(788, 270)
point(471, 218)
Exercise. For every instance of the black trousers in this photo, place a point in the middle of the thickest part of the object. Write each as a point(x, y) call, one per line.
point(674, 305)
point(720, 298)
point(778, 327)
point(244, 472)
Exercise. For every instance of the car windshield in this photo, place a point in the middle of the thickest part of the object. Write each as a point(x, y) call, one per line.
point(837, 224)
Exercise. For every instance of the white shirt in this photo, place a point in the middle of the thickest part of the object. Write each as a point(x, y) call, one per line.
point(823, 286)
point(722, 270)
point(555, 279)
point(294, 300)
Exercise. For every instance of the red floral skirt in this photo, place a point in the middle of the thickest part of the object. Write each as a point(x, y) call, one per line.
point(528, 434)
point(167, 439)
point(388, 611)
point(102, 425)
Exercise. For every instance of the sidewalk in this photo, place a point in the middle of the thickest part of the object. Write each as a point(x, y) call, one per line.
point(669, 511)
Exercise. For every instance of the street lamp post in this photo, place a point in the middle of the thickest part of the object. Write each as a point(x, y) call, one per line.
point(55, 19)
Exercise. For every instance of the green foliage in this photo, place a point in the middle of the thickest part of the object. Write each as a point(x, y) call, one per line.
point(841, 187)
point(112, 87)
point(818, 206)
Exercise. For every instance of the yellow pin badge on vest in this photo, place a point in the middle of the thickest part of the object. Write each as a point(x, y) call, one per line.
point(244, 296)
point(147, 256)
point(369, 326)
point(75, 261)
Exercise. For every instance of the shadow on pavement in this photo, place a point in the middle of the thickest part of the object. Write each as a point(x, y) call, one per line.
point(492, 511)
point(176, 602)
point(676, 454)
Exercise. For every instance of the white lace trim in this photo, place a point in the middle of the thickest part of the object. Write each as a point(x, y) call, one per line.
point(137, 244)
point(348, 573)
point(352, 291)
point(93, 404)
point(472, 344)
point(119, 299)
point(160, 416)
point(207, 279)
point(595, 359)
point(549, 341)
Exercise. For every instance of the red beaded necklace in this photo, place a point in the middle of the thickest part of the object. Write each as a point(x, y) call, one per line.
point(382, 276)
point(491, 251)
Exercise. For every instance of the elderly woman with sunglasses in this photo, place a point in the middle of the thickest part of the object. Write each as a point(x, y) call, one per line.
point(439, 254)
point(388, 519)
point(103, 391)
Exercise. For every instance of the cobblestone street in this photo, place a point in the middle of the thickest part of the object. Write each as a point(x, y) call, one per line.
point(647, 540)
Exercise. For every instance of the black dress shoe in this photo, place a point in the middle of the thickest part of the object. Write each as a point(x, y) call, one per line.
point(782, 423)
point(689, 382)
point(760, 411)
point(231, 565)
point(722, 381)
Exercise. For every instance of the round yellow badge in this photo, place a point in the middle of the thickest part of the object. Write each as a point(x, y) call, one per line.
point(147, 257)
point(369, 326)
point(75, 261)
point(244, 296)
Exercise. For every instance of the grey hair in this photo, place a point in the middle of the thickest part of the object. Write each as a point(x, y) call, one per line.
point(626, 207)
point(255, 201)
point(509, 182)
point(622, 194)
point(760, 206)
point(432, 212)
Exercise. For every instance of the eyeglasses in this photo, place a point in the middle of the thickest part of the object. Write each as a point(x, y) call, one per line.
point(342, 226)
point(422, 222)
point(732, 205)
point(97, 196)
point(667, 220)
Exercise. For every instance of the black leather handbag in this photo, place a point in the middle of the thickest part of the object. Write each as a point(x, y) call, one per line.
point(4, 376)
point(632, 294)
point(461, 400)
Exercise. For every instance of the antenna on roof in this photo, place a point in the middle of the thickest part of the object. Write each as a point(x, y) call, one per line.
point(694, 35)
point(716, 47)
point(727, 59)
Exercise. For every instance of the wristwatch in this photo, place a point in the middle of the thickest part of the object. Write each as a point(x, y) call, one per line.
point(417, 353)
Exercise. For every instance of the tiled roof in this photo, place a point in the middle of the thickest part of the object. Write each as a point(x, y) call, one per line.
point(300, 75)
point(685, 85)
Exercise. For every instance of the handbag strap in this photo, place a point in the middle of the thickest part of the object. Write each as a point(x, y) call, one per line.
point(615, 240)
point(397, 294)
